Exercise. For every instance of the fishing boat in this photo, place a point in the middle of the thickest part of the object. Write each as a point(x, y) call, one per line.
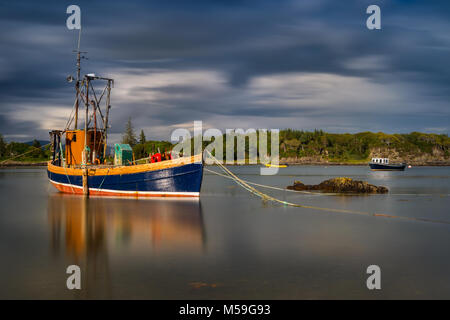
point(80, 165)
point(382, 164)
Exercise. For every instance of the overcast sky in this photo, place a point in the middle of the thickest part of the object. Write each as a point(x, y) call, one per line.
point(232, 64)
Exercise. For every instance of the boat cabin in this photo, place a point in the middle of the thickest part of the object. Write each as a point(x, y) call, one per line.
point(75, 145)
point(380, 160)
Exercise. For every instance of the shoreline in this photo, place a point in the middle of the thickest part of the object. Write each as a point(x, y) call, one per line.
point(13, 164)
point(431, 164)
point(335, 164)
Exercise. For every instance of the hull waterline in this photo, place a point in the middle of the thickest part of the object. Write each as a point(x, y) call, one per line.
point(387, 167)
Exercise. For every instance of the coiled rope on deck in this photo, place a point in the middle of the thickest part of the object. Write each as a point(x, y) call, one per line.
point(246, 185)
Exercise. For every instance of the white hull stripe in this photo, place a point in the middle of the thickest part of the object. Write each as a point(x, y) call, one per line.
point(192, 194)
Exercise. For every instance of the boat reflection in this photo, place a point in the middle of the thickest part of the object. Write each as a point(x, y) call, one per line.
point(87, 232)
point(90, 225)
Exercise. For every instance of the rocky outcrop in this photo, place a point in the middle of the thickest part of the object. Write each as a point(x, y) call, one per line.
point(340, 185)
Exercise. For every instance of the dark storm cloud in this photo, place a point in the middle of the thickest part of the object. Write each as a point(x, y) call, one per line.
point(241, 42)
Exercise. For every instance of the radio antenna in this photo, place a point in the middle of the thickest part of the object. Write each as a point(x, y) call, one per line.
point(78, 56)
point(77, 84)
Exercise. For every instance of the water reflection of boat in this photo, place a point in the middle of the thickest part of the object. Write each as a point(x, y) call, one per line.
point(90, 224)
point(84, 231)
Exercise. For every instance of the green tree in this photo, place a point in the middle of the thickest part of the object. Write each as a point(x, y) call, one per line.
point(142, 137)
point(36, 144)
point(38, 151)
point(139, 151)
point(2, 147)
point(129, 137)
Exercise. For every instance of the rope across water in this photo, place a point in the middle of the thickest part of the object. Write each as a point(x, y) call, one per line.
point(246, 185)
point(22, 154)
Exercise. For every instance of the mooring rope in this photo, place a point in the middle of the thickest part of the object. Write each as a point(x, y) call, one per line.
point(101, 184)
point(35, 148)
point(272, 187)
point(315, 193)
point(267, 197)
point(68, 179)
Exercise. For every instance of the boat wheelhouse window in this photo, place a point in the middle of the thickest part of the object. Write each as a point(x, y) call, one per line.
point(380, 160)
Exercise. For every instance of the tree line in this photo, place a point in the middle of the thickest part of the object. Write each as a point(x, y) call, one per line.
point(293, 144)
point(142, 147)
point(332, 146)
point(357, 146)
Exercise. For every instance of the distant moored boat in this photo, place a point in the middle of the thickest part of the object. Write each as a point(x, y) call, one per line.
point(383, 164)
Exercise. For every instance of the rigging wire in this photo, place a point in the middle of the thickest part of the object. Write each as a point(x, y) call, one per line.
point(19, 155)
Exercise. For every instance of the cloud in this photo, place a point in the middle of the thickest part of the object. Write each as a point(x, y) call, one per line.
point(246, 64)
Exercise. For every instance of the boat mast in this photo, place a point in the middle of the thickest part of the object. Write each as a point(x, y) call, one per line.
point(82, 91)
point(77, 84)
point(108, 106)
point(86, 120)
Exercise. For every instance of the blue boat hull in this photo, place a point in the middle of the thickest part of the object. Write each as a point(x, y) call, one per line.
point(387, 167)
point(183, 180)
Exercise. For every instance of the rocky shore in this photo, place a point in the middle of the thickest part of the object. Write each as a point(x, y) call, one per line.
point(23, 164)
point(436, 157)
point(340, 185)
point(323, 161)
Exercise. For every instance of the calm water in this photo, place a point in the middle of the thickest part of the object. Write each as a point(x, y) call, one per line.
point(229, 244)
